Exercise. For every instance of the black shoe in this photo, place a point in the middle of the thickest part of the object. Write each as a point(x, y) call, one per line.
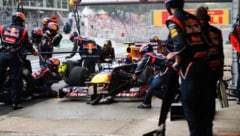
point(94, 99)
point(107, 100)
point(144, 106)
point(61, 93)
point(16, 106)
point(52, 94)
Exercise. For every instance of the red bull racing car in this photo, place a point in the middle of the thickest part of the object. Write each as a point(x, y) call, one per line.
point(115, 78)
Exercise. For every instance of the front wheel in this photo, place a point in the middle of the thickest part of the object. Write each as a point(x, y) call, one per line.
point(69, 66)
point(77, 76)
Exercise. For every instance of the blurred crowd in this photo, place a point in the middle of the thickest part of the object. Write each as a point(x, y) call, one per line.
point(128, 27)
point(131, 27)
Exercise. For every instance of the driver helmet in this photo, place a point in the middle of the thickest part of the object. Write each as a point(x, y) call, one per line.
point(173, 4)
point(154, 38)
point(146, 48)
point(72, 36)
point(127, 59)
point(53, 28)
point(18, 18)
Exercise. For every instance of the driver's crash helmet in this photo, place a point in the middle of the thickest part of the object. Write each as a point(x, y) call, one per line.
point(154, 38)
point(127, 59)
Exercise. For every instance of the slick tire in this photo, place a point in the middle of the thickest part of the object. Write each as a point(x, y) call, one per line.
point(27, 65)
point(27, 86)
point(77, 76)
point(70, 65)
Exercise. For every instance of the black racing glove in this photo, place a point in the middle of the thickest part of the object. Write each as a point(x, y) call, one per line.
point(56, 39)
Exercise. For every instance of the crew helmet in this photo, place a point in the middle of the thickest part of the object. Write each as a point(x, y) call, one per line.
point(53, 28)
point(202, 13)
point(146, 48)
point(54, 63)
point(18, 18)
point(37, 33)
point(73, 35)
point(173, 4)
point(46, 20)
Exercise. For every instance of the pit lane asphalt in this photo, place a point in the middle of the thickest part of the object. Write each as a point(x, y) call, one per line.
point(60, 117)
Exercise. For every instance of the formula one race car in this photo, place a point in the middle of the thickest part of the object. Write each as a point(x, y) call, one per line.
point(114, 79)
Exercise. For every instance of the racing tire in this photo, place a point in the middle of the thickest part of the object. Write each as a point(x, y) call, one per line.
point(5, 97)
point(222, 95)
point(26, 91)
point(27, 65)
point(77, 76)
point(70, 65)
point(27, 86)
